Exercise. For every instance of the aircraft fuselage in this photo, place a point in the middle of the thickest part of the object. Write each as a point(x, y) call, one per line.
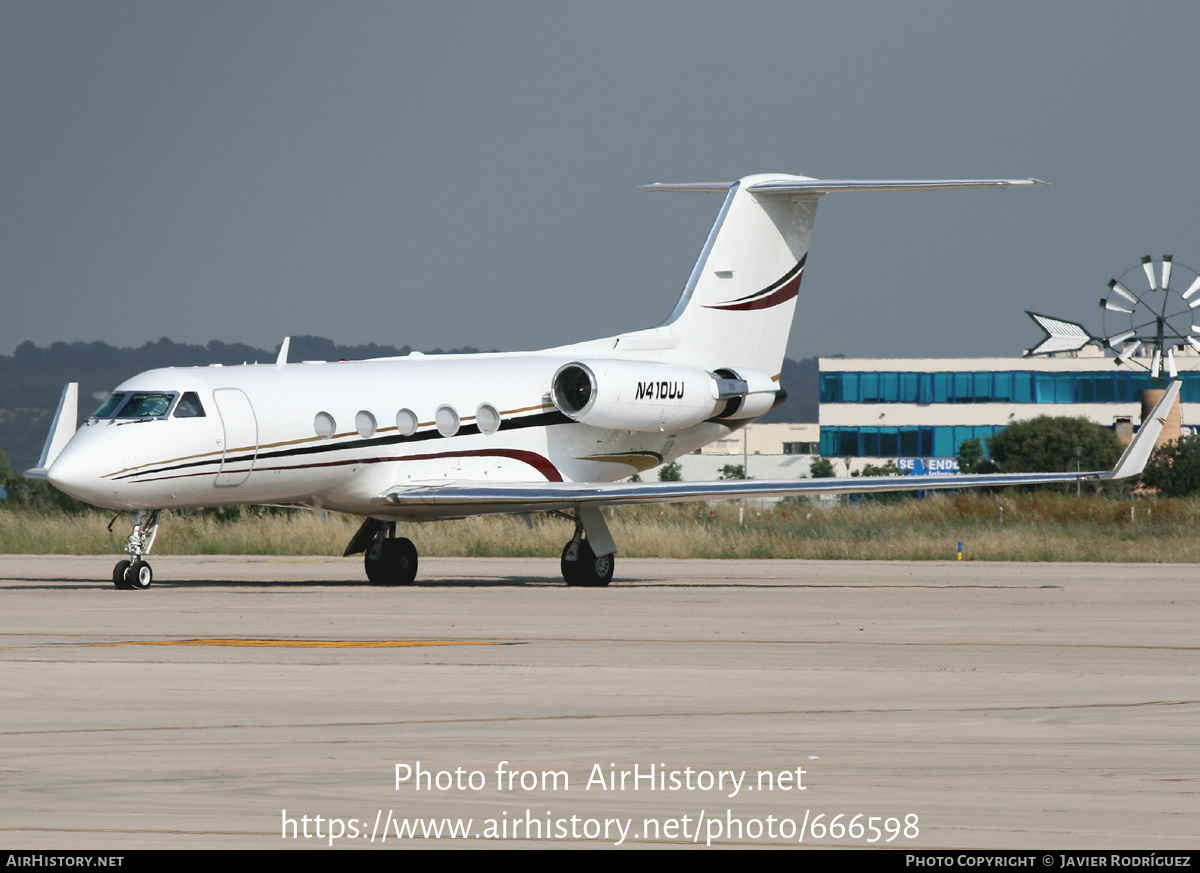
point(337, 434)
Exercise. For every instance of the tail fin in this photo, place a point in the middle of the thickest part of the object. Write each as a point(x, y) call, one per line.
point(736, 310)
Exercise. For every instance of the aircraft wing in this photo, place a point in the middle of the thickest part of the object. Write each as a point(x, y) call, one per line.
point(473, 497)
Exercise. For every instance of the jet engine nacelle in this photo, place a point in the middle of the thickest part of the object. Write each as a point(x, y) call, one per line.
point(754, 394)
point(638, 396)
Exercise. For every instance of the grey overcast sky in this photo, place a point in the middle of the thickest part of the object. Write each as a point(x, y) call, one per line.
point(445, 174)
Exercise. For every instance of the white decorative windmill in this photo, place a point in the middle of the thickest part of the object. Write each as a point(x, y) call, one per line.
point(1143, 327)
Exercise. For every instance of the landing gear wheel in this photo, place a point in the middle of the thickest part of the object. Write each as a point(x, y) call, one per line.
point(586, 570)
point(121, 575)
point(392, 562)
point(139, 575)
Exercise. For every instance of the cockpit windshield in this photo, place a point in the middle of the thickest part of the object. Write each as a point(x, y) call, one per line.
point(136, 405)
point(110, 405)
point(146, 406)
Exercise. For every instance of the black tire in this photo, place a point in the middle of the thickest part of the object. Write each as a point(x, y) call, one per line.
point(140, 576)
point(395, 564)
point(587, 570)
point(121, 575)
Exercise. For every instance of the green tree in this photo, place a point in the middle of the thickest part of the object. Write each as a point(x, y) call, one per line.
point(888, 469)
point(1174, 469)
point(820, 468)
point(670, 473)
point(733, 471)
point(971, 458)
point(5, 470)
point(1047, 445)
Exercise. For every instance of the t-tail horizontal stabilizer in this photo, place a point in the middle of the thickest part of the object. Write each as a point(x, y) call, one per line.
point(802, 185)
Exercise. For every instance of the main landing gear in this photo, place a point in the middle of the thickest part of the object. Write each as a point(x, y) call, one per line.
point(390, 560)
point(581, 566)
point(136, 574)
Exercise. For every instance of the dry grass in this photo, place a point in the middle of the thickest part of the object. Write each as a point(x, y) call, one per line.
point(1035, 527)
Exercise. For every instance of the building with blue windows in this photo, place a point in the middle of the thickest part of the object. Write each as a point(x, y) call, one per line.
point(889, 408)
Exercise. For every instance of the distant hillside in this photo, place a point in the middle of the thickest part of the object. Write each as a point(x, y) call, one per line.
point(32, 378)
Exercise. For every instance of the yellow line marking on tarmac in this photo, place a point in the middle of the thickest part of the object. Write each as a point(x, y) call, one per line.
point(495, 641)
point(305, 644)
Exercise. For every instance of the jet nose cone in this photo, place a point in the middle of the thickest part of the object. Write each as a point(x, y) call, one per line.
point(79, 468)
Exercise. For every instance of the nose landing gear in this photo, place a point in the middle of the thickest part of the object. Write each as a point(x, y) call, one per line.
point(136, 575)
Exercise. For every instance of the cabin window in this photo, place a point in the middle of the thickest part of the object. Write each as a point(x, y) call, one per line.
point(364, 423)
point(487, 418)
point(324, 425)
point(446, 420)
point(189, 406)
point(406, 422)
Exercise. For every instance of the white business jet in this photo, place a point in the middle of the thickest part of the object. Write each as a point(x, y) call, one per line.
point(419, 438)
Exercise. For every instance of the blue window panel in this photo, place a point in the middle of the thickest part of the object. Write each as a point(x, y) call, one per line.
point(829, 442)
point(868, 442)
point(1002, 387)
point(831, 387)
point(1085, 388)
point(1121, 390)
point(962, 433)
point(850, 388)
point(1190, 392)
point(1043, 387)
point(964, 389)
point(926, 442)
point(942, 383)
point(985, 439)
point(848, 442)
point(889, 442)
point(925, 388)
point(943, 442)
point(1023, 387)
point(1121, 386)
point(910, 442)
point(983, 387)
point(868, 385)
point(1064, 388)
point(889, 387)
